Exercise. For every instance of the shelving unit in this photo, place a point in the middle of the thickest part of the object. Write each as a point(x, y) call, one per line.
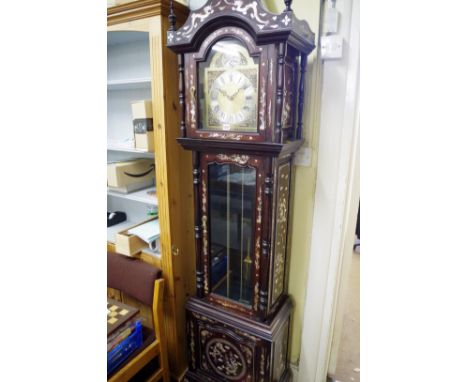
point(128, 79)
point(141, 67)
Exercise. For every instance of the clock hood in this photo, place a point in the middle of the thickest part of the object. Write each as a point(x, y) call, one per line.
point(250, 15)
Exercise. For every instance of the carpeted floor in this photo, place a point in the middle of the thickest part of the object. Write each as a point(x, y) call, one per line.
point(348, 369)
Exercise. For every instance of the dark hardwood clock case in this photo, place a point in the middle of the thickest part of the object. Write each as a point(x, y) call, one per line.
point(241, 98)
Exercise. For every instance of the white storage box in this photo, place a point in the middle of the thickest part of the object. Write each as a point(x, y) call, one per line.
point(131, 241)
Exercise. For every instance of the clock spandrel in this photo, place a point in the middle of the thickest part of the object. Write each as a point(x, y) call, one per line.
point(228, 88)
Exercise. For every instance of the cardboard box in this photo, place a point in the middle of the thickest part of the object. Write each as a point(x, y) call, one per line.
point(142, 109)
point(129, 188)
point(142, 112)
point(145, 141)
point(123, 174)
point(128, 244)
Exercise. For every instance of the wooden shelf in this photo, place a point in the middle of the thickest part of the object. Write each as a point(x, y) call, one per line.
point(144, 153)
point(129, 84)
point(138, 196)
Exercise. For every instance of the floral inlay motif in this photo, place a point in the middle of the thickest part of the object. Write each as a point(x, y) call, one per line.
point(235, 137)
point(227, 304)
point(241, 159)
point(225, 359)
point(261, 112)
point(205, 235)
point(281, 231)
point(196, 19)
point(280, 353)
point(262, 365)
point(264, 20)
point(192, 102)
point(251, 10)
point(259, 206)
point(202, 318)
point(192, 344)
point(286, 108)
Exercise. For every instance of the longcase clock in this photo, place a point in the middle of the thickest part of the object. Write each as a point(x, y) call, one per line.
point(241, 97)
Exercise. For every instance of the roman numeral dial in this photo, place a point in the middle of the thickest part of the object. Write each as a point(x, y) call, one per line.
point(229, 79)
point(232, 98)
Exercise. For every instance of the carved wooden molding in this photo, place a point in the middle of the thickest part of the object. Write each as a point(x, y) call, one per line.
point(252, 13)
point(274, 149)
point(141, 9)
point(261, 330)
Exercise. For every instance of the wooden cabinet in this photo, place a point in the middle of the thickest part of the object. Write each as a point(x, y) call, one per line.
point(227, 347)
point(141, 67)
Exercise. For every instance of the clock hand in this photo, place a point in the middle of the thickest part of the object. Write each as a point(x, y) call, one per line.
point(224, 93)
point(234, 95)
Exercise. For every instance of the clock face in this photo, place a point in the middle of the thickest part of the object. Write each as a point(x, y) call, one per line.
point(230, 89)
point(232, 100)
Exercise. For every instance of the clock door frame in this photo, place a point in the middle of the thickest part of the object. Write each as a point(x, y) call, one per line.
point(266, 67)
point(262, 166)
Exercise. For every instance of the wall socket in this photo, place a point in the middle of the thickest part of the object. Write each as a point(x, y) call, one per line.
point(303, 157)
point(331, 47)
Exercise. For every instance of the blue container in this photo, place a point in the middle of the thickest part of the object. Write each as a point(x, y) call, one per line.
point(122, 351)
point(218, 269)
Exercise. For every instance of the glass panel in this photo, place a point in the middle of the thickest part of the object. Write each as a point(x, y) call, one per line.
point(232, 206)
point(228, 88)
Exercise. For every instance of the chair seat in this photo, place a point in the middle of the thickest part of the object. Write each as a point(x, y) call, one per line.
point(148, 338)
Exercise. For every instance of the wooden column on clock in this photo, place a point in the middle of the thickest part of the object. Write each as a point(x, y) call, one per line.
point(173, 184)
point(241, 95)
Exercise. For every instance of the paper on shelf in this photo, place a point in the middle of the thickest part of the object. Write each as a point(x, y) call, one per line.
point(147, 232)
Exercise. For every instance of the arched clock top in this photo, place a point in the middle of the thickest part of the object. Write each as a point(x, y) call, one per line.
point(236, 33)
point(248, 14)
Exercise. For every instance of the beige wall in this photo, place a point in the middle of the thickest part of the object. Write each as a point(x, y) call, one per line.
point(304, 178)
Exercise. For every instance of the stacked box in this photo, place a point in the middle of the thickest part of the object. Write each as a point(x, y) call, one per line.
point(129, 176)
point(142, 112)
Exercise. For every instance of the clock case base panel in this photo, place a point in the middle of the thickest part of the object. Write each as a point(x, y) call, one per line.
point(242, 349)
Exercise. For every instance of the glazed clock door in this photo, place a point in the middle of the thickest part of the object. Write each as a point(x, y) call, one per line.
point(231, 216)
point(231, 224)
point(224, 82)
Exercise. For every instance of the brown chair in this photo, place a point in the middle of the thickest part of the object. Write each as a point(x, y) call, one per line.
point(142, 282)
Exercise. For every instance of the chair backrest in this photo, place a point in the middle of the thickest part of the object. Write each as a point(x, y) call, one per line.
point(132, 276)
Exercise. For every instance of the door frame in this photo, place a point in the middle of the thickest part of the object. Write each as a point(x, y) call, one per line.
point(336, 197)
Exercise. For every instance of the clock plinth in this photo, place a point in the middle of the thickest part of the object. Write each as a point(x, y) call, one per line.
point(241, 99)
point(227, 347)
